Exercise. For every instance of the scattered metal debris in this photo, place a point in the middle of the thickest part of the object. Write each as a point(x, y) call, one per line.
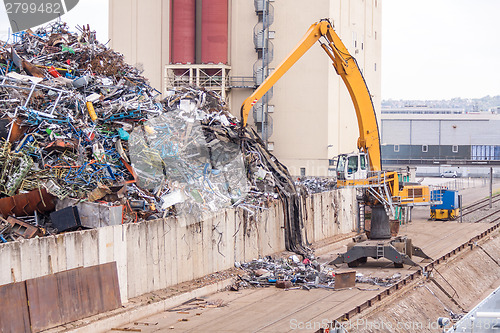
point(383, 282)
point(296, 273)
point(317, 184)
point(285, 273)
point(197, 303)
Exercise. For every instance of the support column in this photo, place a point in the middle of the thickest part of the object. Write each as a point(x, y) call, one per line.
point(380, 228)
point(197, 47)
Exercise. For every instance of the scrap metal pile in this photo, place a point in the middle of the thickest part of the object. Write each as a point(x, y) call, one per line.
point(297, 272)
point(81, 126)
point(291, 272)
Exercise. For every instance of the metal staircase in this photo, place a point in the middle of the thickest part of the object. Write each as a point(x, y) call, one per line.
point(380, 250)
point(265, 53)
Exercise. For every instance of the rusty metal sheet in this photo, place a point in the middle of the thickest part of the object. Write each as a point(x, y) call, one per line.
point(90, 284)
point(71, 295)
point(24, 229)
point(70, 298)
point(14, 316)
point(346, 279)
point(26, 203)
point(44, 306)
point(102, 280)
point(110, 289)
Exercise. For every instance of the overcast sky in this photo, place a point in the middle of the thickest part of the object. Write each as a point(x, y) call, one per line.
point(93, 12)
point(440, 49)
point(431, 49)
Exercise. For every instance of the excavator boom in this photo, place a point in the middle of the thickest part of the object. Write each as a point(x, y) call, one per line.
point(381, 190)
point(346, 66)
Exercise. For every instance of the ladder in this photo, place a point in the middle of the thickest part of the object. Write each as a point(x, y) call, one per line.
point(380, 250)
point(361, 217)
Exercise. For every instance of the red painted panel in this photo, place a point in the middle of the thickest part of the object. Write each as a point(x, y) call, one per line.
point(182, 33)
point(214, 31)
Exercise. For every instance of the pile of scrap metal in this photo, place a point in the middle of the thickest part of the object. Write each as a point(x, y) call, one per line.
point(86, 143)
point(299, 272)
point(67, 104)
point(316, 184)
point(294, 272)
point(237, 167)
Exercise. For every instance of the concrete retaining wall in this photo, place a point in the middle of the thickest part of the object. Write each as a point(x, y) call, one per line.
point(157, 254)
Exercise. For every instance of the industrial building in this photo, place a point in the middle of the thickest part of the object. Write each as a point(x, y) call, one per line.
point(231, 46)
point(458, 140)
point(422, 110)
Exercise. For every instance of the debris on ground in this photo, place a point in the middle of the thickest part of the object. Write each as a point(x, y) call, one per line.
point(81, 130)
point(306, 273)
point(197, 303)
point(297, 272)
point(378, 281)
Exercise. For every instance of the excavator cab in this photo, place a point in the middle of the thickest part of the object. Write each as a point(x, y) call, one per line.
point(352, 166)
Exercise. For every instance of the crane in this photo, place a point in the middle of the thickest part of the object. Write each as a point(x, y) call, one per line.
point(382, 190)
point(346, 66)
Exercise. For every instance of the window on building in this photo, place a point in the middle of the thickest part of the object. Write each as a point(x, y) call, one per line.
point(302, 172)
point(375, 35)
point(454, 148)
point(375, 67)
point(270, 146)
point(425, 148)
point(396, 148)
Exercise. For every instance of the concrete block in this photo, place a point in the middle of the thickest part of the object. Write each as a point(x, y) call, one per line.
point(162, 275)
point(90, 246)
point(120, 256)
point(346, 279)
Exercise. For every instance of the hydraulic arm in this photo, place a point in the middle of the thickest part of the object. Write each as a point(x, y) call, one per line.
point(381, 190)
point(346, 66)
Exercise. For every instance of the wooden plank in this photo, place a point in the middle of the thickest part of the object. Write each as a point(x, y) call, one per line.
point(14, 316)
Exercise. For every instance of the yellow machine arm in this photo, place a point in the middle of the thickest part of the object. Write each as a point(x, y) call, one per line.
point(346, 66)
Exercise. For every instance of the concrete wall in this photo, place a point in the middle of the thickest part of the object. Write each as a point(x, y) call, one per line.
point(140, 30)
point(157, 254)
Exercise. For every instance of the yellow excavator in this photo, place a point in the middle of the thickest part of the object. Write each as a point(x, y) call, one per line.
point(382, 190)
